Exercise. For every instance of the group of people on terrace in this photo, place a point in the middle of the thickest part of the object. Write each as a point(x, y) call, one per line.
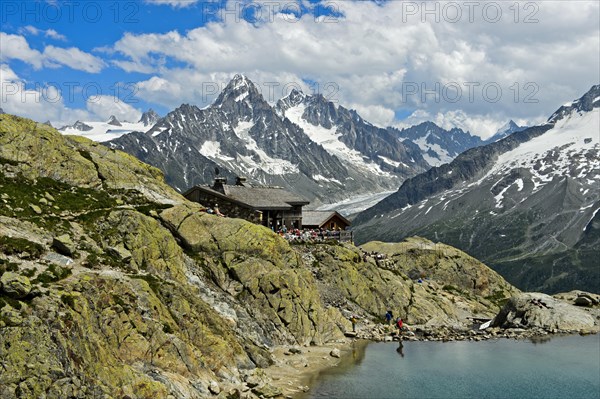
point(309, 235)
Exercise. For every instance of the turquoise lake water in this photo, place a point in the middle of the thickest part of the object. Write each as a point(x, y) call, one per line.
point(566, 367)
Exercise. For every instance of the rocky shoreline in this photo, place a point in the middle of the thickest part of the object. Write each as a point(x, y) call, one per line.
point(297, 368)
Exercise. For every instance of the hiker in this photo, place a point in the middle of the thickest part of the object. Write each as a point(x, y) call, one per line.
point(217, 212)
point(399, 324)
point(353, 320)
point(388, 317)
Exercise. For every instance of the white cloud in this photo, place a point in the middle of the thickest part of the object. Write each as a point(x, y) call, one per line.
point(105, 106)
point(46, 103)
point(51, 33)
point(40, 104)
point(73, 58)
point(376, 114)
point(17, 47)
point(372, 59)
point(375, 53)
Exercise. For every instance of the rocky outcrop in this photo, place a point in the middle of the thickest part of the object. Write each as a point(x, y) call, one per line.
point(15, 285)
point(536, 310)
point(35, 150)
point(262, 270)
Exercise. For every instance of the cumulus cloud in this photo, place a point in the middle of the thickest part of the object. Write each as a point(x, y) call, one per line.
point(51, 33)
point(73, 58)
point(17, 47)
point(103, 107)
point(40, 103)
point(47, 103)
point(386, 57)
point(467, 69)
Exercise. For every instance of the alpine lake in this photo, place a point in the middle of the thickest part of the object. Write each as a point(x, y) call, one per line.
point(546, 367)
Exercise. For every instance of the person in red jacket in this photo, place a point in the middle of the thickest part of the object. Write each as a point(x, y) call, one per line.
point(399, 324)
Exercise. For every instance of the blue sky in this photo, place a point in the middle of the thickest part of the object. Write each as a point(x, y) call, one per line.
point(468, 64)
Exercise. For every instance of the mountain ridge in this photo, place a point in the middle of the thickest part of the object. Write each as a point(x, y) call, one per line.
point(501, 201)
point(240, 134)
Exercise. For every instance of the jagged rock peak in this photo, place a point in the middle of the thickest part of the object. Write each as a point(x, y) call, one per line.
point(78, 125)
point(114, 121)
point(1, 111)
point(240, 88)
point(296, 96)
point(293, 98)
point(149, 117)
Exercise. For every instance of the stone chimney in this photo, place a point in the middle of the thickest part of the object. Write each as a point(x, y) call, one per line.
point(240, 181)
point(219, 183)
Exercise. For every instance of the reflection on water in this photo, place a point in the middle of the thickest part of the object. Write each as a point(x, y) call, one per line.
point(400, 349)
point(563, 367)
point(542, 339)
point(348, 361)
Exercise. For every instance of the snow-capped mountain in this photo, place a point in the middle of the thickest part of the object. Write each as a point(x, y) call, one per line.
point(114, 121)
point(111, 129)
point(527, 205)
point(149, 118)
point(506, 130)
point(304, 143)
point(438, 145)
point(344, 134)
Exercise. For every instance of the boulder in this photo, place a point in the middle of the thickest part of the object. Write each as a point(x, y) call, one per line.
point(535, 310)
point(121, 253)
point(214, 388)
point(583, 301)
point(267, 391)
point(36, 209)
point(64, 245)
point(335, 353)
point(15, 285)
point(10, 317)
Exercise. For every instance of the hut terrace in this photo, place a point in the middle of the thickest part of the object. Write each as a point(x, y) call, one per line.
point(273, 207)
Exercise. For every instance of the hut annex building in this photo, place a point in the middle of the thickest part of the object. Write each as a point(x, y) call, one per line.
point(273, 207)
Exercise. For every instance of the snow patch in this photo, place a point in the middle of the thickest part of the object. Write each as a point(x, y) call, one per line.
point(554, 153)
point(102, 131)
point(272, 166)
point(330, 140)
point(326, 179)
point(212, 150)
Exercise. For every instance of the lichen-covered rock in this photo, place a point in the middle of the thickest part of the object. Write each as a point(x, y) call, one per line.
point(144, 241)
point(267, 391)
point(64, 245)
point(348, 279)
point(39, 150)
point(200, 231)
point(15, 285)
point(281, 293)
point(536, 310)
point(420, 258)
